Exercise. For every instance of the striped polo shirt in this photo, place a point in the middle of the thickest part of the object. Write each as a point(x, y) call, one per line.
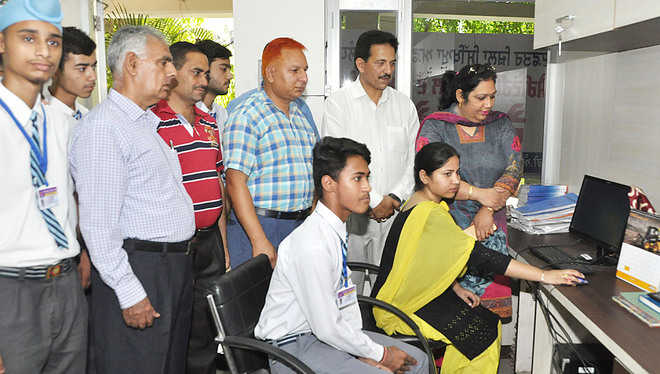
point(199, 156)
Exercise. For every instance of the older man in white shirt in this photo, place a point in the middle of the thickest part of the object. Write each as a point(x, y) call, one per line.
point(370, 111)
point(311, 309)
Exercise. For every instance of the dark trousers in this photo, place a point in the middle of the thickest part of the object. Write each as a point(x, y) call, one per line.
point(161, 348)
point(208, 266)
point(240, 250)
point(43, 325)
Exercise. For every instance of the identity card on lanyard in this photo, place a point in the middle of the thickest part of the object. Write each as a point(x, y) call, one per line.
point(46, 195)
point(346, 295)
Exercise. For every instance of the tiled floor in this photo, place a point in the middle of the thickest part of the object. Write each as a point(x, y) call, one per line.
point(506, 361)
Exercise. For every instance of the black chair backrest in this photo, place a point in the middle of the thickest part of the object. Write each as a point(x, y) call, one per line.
point(368, 320)
point(240, 295)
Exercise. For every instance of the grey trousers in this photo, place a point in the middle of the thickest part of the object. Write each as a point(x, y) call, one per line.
point(323, 358)
point(43, 325)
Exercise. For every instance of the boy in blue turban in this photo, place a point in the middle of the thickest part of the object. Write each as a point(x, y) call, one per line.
point(43, 328)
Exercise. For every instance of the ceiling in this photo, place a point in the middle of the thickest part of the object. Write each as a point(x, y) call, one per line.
point(175, 8)
point(421, 8)
point(505, 9)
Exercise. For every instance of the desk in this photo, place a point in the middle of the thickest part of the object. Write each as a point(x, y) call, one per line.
point(634, 344)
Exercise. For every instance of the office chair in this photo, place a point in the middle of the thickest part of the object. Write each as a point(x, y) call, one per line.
point(369, 322)
point(236, 301)
point(369, 277)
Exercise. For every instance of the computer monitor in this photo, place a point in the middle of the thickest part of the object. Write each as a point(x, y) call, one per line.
point(601, 214)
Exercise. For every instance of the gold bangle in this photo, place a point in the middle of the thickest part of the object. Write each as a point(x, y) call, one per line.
point(470, 192)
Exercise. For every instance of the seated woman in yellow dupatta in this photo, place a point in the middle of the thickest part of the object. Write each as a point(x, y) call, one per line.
point(426, 252)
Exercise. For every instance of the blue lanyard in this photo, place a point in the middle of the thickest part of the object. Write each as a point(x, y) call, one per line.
point(344, 249)
point(344, 270)
point(42, 157)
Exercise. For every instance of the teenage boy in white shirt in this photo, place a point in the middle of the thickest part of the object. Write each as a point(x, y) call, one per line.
point(75, 77)
point(220, 77)
point(311, 308)
point(76, 74)
point(43, 328)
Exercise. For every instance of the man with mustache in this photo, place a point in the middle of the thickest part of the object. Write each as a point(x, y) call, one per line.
point(368, 110)
point(43, 328)
point(136, 217)
point(193, 135)
point(220, 77)
point(267, 143)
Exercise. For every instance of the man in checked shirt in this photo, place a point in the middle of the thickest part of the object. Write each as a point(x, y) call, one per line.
point(267, 143)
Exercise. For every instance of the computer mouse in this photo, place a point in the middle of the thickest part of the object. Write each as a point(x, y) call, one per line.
point(582, 282)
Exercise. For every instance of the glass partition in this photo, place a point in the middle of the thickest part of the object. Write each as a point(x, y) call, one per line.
point(354, 23)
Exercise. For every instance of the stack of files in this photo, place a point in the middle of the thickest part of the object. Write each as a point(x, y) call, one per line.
point(631, 301)
point(651, 301)
point(531, 193)
point(546, 216)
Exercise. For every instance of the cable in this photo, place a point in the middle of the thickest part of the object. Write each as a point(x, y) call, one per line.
point(555, 334)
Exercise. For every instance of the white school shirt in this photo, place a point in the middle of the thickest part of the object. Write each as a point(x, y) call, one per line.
point(217, 111)
point(24, 237)
point(303, 289)
point(388, 129)
point(55, 103)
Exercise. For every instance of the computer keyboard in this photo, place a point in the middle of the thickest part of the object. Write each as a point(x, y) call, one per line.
point(558, 259)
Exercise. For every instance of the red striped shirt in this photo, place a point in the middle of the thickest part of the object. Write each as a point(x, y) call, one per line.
point(200, 159)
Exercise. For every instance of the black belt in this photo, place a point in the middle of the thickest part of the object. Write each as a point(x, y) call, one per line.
point(161, 247)
point(38, 272)
point(206, 231)
point(297, 215)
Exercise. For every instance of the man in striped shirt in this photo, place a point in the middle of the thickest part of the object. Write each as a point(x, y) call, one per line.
point(194, 136)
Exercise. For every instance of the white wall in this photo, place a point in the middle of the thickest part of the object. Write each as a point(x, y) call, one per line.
point(79, 13)
point(609, 126)
point(76, 13)
point(257, 22)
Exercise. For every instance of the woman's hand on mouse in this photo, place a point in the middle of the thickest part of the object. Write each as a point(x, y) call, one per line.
point(562, 276)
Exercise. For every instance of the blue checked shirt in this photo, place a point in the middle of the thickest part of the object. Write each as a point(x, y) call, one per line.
point(129, 185)
point(274, 151)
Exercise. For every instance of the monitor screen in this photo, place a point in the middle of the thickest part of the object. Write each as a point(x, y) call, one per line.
point(601, 213)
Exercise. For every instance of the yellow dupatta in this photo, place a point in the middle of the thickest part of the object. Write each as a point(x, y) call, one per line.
point(432, 252)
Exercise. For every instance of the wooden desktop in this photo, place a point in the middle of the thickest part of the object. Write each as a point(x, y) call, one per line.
point(635, 345)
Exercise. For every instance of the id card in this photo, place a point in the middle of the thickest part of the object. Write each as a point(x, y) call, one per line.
point(346, 296)
point(47, 197)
